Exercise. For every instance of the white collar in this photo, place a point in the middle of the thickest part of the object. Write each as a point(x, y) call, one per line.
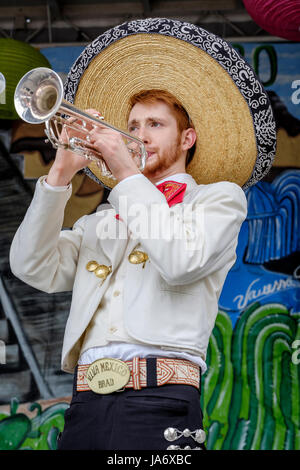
point(178, 177)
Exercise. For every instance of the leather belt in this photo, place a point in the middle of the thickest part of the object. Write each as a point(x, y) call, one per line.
point(108, 375)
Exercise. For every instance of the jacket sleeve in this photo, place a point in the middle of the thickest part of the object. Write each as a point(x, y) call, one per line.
point(42, 254)
point(188, 241)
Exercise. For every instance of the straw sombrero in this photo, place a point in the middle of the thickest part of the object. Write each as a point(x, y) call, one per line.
point(236, 133)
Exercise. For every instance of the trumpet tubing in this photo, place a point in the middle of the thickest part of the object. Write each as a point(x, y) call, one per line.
point(39, 99)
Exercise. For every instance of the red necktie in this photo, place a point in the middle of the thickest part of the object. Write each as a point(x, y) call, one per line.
point(173, 191)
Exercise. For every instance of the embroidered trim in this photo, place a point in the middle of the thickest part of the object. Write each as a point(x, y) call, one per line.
point(169, 371)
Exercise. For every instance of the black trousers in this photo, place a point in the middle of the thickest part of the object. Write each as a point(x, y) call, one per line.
point(132, 419)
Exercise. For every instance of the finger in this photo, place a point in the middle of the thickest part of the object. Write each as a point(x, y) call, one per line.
point(100, 131)
point(71, 128)
point(94, 113)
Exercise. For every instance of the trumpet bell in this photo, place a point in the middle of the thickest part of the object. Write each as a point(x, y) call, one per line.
point(39, 98)
point(38, 95)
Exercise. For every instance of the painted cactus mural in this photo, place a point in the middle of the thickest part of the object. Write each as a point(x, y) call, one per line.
point(251, 395)
point(261, 296)
point(18, 431)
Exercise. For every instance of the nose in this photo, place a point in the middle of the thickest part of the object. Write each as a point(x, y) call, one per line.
point(143, 135)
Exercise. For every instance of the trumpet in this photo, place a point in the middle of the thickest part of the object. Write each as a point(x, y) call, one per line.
point(39, 99)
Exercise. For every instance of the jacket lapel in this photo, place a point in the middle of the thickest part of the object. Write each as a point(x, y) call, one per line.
point(112, 237)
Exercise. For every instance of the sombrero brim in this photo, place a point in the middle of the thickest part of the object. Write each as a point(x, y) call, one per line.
point(219, 90)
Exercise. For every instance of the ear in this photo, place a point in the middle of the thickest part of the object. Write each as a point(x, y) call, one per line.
point(188, 138)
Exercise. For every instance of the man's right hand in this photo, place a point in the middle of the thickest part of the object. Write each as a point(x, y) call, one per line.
point(67, 163)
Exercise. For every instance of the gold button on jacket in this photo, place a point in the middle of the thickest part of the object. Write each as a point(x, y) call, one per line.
point(100, 270)
point(138, 257)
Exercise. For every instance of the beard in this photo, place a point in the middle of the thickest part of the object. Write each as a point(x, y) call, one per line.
point(163, 160)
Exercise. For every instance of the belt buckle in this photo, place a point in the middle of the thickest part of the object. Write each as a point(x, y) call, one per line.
point(107, 375)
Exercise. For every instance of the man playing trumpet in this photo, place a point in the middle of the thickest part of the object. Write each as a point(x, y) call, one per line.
point(143, 306)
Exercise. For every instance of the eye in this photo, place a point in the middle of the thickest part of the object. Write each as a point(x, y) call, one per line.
point(132, 128)
point(155, 124)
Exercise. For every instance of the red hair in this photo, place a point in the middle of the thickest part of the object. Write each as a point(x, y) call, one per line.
point(182, 118)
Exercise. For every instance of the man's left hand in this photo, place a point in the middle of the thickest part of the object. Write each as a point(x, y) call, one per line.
point(114, 151)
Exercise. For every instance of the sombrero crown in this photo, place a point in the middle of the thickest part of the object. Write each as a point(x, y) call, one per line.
point(231, 112)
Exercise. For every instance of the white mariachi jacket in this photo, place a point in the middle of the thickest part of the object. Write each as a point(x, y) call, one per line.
point(172, 301)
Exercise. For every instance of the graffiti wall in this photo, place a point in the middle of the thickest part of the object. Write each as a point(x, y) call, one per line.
point(250, 392)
